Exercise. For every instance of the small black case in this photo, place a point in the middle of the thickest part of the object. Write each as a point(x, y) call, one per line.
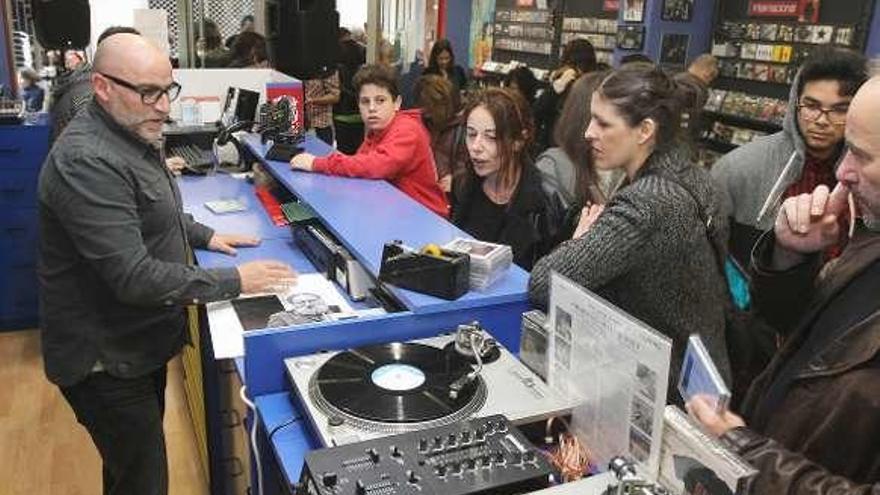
point(447, 277)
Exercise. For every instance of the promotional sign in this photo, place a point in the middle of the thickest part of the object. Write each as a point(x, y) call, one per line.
point(802, 10)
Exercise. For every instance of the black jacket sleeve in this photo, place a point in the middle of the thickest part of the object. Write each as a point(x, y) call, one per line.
point(197, 234)
point(783, 471)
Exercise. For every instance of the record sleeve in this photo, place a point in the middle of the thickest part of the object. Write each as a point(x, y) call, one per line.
point(769, 32)
point(785, 33)
point(843, 36)
point(764, 53)
point(753, 31)
point(822, 35)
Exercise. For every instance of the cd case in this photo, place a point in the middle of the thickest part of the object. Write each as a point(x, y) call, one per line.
point(225, 206)
point(700, 376)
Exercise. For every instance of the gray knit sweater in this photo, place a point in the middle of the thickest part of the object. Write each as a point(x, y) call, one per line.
point(649, 254)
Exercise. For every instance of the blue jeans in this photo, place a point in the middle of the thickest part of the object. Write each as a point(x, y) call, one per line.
point(124, 418)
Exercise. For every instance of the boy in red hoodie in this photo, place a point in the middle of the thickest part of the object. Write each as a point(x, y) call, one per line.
point(397, 147)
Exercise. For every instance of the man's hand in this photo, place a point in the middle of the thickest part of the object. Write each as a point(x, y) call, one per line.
point(715, 423)
point(265, 276)
point(808, 223)
point(302, 161)
point(589, 215)
point(175, 164)
point(226, 243)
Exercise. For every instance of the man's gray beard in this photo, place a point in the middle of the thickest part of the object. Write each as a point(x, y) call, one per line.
point(155, 143)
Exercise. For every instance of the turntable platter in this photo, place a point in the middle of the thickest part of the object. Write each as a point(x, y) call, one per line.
point(398, 383)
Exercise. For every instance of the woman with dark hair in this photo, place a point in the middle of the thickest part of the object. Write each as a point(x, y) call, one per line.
point(249, 51)
point(578, 58)
point(440, 104)
point(497, 197)
point(441, 62)
point(655, 248)
point(568, 175)
point(210, 44)
point(522, 79)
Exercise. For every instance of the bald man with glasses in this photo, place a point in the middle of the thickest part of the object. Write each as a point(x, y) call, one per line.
point(113, 266)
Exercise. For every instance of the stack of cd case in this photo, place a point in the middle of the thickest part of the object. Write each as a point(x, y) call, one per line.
point(488, 261)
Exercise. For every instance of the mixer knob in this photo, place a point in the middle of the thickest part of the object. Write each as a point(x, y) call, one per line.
point(451, 440)
point(329, 479)
point(411, 476)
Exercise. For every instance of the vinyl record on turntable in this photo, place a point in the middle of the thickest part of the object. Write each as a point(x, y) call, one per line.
point(398, 383)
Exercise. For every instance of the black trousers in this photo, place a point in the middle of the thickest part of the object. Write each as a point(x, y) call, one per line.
point(325, 134)
point(124, 418)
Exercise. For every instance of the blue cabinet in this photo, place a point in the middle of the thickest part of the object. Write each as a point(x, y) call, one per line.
point(23, 149)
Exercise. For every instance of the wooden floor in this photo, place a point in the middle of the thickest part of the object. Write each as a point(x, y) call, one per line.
point(45, 451)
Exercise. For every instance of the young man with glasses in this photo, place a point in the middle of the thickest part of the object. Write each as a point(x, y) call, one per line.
point(757, 177)
point(113, 271)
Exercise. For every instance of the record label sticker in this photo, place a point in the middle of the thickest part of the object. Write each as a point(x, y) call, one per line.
point(398, 377)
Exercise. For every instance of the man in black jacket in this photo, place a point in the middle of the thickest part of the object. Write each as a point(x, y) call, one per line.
point(113, 270)
point(814, 416)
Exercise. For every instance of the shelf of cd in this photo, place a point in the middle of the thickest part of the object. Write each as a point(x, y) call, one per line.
point(739, 120)
point(528, 32)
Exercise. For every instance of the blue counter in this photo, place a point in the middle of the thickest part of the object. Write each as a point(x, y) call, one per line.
point(363, 215)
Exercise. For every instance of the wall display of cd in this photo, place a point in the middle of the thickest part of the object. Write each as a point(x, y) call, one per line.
point(761, 45)
point(633, 10)
point(630, 37)
point(677, 10)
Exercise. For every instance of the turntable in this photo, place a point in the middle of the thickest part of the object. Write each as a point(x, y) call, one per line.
point(385, 389)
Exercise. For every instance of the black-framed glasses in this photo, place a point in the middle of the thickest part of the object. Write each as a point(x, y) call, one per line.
point(149, 94)
point(813, 112)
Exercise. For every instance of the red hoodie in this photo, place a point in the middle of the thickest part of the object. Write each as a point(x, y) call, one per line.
point(401, 154)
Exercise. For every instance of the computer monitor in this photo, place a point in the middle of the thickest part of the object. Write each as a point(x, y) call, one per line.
point(240, 106)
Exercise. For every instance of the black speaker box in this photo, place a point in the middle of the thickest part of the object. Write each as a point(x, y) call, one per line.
point(307, 43)
point(62, 23)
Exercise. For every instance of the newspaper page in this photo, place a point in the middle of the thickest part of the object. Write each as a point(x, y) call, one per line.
point(690, 459)
point(615, 367)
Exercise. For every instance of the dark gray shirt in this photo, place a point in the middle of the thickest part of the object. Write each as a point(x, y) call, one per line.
point(113, 264)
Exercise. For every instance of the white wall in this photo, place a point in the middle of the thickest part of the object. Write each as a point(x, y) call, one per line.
point(352, 13)
point(106, 13)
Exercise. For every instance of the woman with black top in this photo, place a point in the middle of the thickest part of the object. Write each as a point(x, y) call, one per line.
point(497, 196)
point(442, 63)
point(578, 58)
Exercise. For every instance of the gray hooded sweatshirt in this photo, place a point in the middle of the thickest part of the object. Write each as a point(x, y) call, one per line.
point(747, 175)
